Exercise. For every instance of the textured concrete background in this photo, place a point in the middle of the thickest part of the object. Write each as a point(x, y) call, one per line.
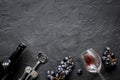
point(60, 28)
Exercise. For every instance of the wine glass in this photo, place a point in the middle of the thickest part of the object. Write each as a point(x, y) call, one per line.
point(92, 62)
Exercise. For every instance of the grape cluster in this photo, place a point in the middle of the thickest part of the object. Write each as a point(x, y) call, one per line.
point(63, 69)
point(109, 59)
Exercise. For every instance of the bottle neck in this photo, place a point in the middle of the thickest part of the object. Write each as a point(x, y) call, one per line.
point(15, 55)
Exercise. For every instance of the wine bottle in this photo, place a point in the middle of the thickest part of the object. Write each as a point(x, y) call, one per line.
point(8, 64)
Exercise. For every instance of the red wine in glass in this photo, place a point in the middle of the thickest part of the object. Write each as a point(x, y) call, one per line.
point(92, 61)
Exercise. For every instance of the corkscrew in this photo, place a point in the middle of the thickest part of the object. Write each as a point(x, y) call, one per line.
point(30, 73)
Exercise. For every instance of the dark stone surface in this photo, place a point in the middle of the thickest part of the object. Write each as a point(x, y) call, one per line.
point(60, 28)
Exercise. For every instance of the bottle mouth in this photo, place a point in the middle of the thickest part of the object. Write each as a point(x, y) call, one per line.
point(22, 46)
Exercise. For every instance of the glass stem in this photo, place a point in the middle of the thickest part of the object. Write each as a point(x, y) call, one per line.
point(102, 77)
